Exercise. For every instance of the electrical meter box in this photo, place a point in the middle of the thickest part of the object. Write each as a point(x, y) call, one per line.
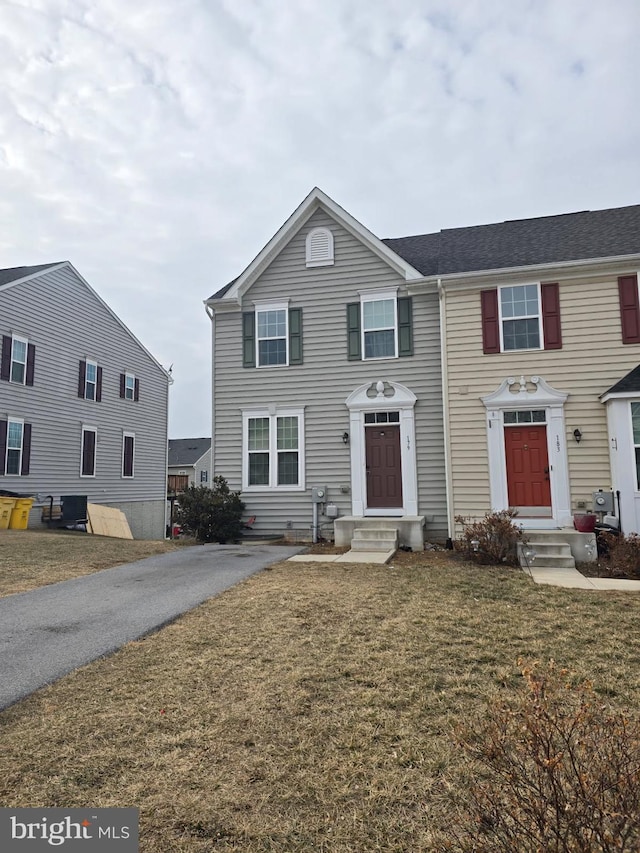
point(319, 494)
point(603, 502)
point(331, 511)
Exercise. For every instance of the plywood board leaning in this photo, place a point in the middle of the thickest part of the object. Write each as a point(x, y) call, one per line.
point(107, 521)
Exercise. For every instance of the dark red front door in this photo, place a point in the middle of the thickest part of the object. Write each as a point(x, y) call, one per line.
point(527, 466)
point(384, 467)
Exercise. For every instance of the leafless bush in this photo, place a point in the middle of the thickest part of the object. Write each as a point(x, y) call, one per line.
point(492, 540)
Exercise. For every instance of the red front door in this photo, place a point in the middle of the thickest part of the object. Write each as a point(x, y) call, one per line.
point(527, 466)
point(384, 467)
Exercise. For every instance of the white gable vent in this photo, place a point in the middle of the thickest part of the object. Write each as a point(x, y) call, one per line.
point(319, 247)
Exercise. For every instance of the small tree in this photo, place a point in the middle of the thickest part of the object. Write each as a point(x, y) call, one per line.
point(212, 514)
point(493, 539)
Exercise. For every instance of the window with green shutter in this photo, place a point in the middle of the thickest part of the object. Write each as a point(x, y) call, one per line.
point(379, 326)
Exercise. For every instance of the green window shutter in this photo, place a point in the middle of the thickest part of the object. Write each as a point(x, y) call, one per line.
point(353, 332)
point(248, 339)
point(405, 326)
point(295, 335)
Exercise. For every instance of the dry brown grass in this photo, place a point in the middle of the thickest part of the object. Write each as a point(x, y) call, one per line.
point(309, 708)
point(33, 558)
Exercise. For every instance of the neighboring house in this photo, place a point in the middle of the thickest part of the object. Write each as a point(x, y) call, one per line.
point(541, 355)
point(83, 405)
point(326, 374)
point(189, 463)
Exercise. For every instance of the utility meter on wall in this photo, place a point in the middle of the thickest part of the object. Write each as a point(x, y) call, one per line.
point(603, 502)
point(319, 494)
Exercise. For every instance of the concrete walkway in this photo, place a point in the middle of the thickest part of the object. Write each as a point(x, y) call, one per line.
point(48, 632)
point(572, 579)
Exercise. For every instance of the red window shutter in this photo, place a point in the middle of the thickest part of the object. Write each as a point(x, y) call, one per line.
point(26, 449)
point(629, 308)
point(551, 327)
point(99, 386)
point(490, 321)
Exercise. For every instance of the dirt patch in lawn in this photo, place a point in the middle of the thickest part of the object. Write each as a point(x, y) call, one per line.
point(33, 558)
point(309, 708)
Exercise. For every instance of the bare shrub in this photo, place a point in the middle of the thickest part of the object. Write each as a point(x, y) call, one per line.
point(493, 539)
point(622, 554)
point(555, 770)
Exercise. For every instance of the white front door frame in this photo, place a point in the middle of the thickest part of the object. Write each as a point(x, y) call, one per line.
point(382, 396)
point(534, 393)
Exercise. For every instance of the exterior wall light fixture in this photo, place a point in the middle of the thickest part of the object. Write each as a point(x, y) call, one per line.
point(577, 435)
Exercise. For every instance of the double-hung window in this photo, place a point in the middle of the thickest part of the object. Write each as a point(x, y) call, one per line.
point(128, 451)
point(88, 451)
point(379, 326)
point(15, 436)
point(520, 317)
point(129, 387)
point(18, 360)
point(273, 457)
point(272, 335)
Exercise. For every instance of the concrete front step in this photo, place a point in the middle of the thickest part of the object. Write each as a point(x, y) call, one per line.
point(380, 539)
point(552, 553)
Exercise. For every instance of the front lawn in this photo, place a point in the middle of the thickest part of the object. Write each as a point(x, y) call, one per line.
point(310, 707)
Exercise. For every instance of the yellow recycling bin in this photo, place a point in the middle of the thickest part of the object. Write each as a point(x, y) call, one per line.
point(19, 519)
point(6, 505)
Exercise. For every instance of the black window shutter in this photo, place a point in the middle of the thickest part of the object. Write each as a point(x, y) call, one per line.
point(3, 446)
point(122, 383)
point(551, 316)
point(248, 339)
point(354, 348)
point(88, 453)
point(5, 367)
point(26, 449)
point(629, 309)
point(136, 389)
point(490, 322)
point(405, 326)
point(31, 363)
point(127, 456)
point(82, 375)
point(99, 386)
point(295, 336)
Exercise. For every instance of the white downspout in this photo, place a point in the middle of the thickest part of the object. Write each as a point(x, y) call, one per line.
point(445, 408)
point(212, 316)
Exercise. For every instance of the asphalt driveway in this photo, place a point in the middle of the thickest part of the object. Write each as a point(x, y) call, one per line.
point(46, 633)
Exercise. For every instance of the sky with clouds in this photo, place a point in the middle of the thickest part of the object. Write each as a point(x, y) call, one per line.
point(159, 144)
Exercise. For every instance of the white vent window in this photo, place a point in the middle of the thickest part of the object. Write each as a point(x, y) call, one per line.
point(319, 247)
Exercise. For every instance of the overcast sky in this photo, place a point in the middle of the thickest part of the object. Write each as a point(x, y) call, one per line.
point(159, 144)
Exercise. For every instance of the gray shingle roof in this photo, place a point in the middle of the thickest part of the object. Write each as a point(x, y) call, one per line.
point(628, 383)
point(14, 273)
point(520, 242)
point(187, 451)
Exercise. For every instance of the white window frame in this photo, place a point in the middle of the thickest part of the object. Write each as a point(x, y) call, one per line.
point(367, 296)
point(261, 308)
point(124, 476)
point(522, 317)
point(94, 430)
point(17, 473)
point(14, 360)
point(87, 383)
point(273, 413)
point(313, 258)
point(129, 387)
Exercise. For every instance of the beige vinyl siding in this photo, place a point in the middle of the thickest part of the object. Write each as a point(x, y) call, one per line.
point(326, 378)
point(591, 360)
point(67, 323)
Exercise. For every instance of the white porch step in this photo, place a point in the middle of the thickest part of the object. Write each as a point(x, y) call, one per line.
point(375, 539)
point(552, 553)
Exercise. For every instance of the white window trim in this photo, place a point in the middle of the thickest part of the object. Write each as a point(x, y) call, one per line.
point(13, 360)
point(502, 287)
point(94, 430)
point(272, 306)
point(132, 377)
point(89, 361)
point(273, 412)
point(10, 421)
point(124, 476)
point(379, 296)
point(328, 259)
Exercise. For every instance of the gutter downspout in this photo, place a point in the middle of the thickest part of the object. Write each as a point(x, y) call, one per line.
point(212, 316)
point(445, 407)
point(166, 465)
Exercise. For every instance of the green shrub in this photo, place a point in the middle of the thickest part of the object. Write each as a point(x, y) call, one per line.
point(212, 514)
point(493, 539)
point(555, 770)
